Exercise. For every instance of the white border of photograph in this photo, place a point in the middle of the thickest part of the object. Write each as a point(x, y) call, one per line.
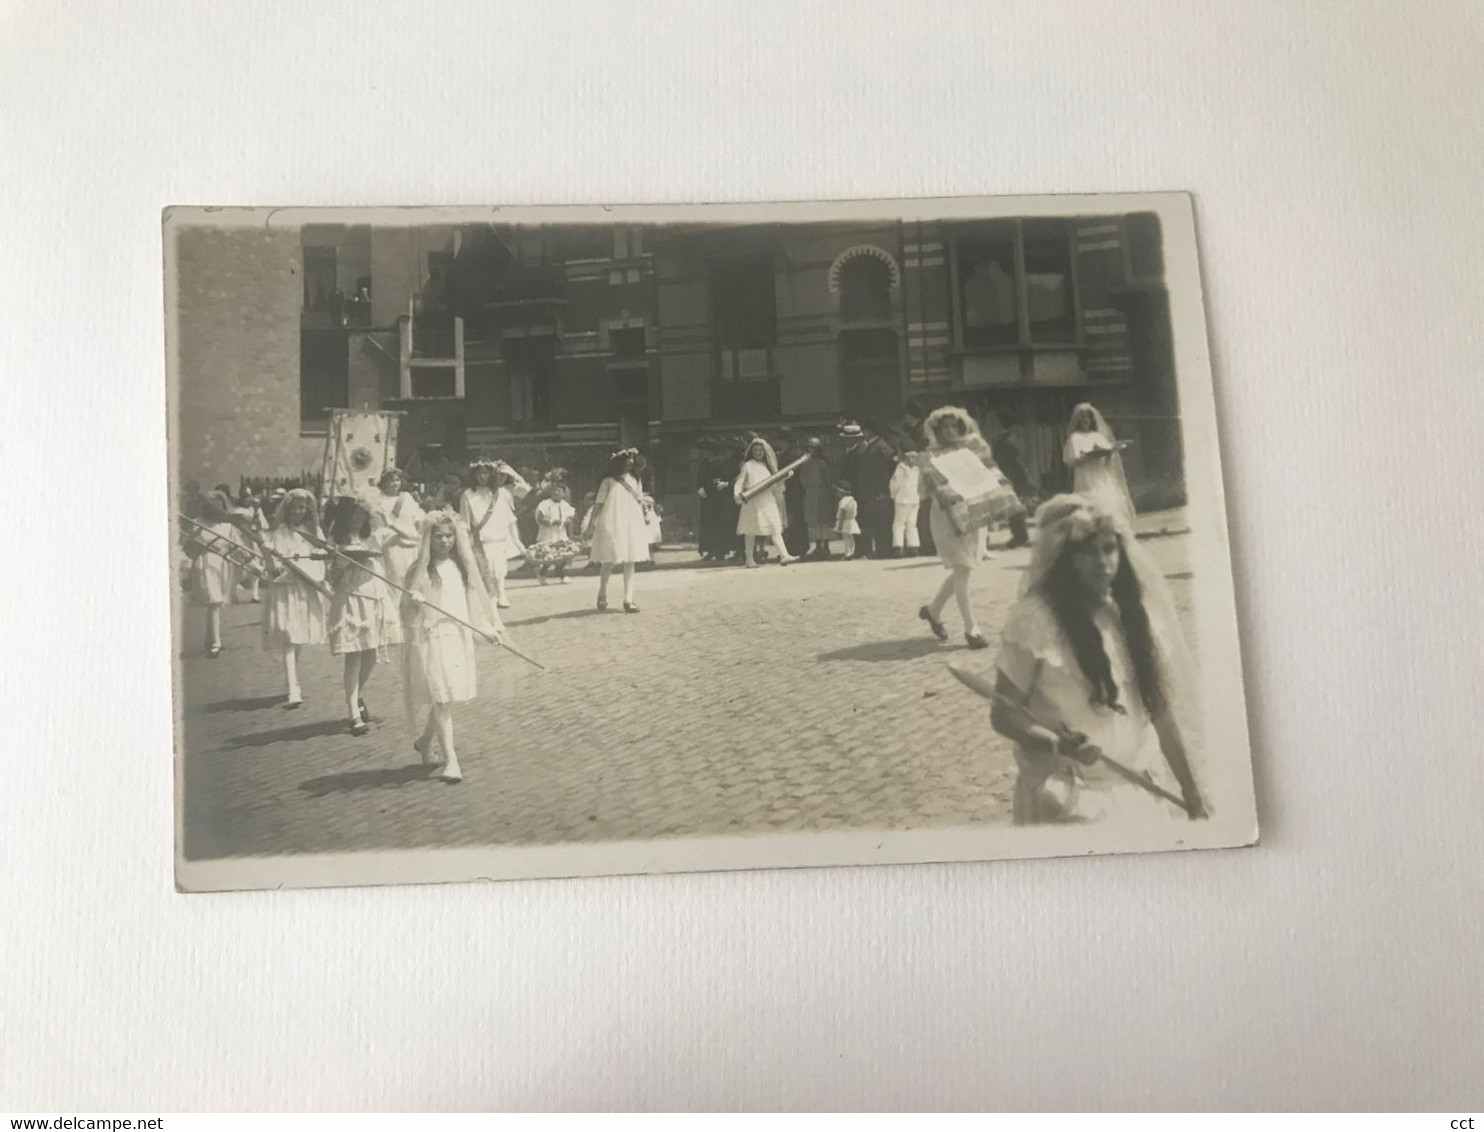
point(1229, 789)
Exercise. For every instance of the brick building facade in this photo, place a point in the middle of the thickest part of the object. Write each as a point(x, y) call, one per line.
point(557, 344)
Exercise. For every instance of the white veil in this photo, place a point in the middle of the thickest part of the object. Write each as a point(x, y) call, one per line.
point(1115, 461)
point(1067, 519)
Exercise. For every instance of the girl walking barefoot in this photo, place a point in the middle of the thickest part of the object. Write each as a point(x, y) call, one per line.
point(1093, 664)
point(439, 658)
point(294, 609)
point(616, 526)
point(363, 612)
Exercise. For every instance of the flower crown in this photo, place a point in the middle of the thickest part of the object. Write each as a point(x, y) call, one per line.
point(624, 452)
point(440, 517)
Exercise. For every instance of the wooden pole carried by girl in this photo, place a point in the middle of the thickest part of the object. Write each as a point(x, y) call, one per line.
point(1094, 644)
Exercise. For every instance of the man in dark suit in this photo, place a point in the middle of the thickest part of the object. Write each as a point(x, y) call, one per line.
point(1007, 455)
point(868, 466)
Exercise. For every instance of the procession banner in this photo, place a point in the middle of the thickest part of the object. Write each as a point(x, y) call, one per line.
point(359, 447)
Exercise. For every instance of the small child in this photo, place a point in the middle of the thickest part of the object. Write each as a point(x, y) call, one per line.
point(363, 612)
point(554, 548)
point(588, 502)
point(446, 590)
point(846, 525)
point(905, 505)
point(652, 515)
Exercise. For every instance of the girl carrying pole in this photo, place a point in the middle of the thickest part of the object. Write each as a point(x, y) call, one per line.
point(364, 615)
point(294, 612)
point(1093, 662)
point(213, 576)
point(439, 656)
point(762, 514)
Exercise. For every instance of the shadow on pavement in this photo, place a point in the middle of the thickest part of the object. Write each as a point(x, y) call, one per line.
point(368, 780)
point(905, 649)
point(246, 703)
point(567, 614)
point(302, 731)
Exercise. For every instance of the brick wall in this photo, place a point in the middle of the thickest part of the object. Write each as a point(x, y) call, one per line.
point(239, 299)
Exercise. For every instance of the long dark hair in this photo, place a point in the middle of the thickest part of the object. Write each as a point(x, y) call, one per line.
point(348, 520)
point(1069, 605)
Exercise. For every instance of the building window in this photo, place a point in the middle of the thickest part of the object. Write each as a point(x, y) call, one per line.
point(531, 361)
point(1015, 285)
point(989, 304)
point(585, 243)
point(319, 279)
point(620, 243)
point(1048, 281)
point(531, 250)
point(1145, 247)
point(745, 316)
point(324, 374)
point(628, 342)
point(865, 290)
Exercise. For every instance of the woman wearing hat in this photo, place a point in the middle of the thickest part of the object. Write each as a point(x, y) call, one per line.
point(488, 508)
point(818, 480)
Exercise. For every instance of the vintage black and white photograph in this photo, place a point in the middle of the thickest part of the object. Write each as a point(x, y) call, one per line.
point(523, 542)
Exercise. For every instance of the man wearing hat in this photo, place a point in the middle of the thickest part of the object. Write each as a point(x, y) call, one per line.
point(868, 466)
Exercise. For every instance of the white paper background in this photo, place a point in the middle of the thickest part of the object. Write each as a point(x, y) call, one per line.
point(1335, 150)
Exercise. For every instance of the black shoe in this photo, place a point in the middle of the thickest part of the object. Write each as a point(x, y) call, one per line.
point(602, 604)
point(630, 607)
point(359, 727)
point(934, 624)
point(365, 714)
point(976, 641)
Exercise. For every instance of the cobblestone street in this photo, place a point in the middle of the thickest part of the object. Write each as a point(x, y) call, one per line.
point(738, 701)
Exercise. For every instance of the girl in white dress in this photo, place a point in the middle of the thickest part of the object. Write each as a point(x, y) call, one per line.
point(439, 658)
point(762, 515)
point(950, 429)
point(615, 524)
point(402, 515)
point(364, 611)
point(294, 612)
point(1093, 663)
point(1093, 454)
point(847, 521)
point(213, 577)
point(488, 509)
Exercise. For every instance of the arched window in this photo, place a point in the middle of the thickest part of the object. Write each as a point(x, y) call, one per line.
point(865, 289)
